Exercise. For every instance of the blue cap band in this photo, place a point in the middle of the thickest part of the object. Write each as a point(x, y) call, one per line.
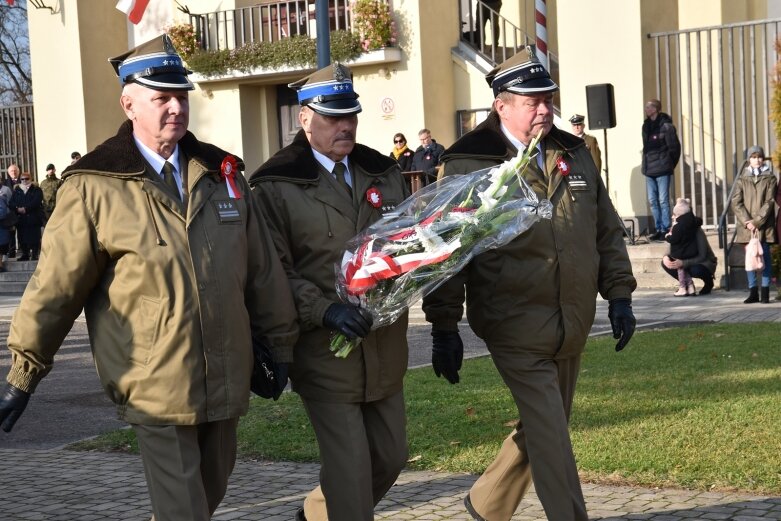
point(131, 67)
point(308, 92)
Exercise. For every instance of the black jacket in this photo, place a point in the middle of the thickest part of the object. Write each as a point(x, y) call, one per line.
point(661, 148)
point(427, 159)
point(683, 236)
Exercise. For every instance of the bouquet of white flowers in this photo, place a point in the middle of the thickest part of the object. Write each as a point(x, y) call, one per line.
point(431, 236)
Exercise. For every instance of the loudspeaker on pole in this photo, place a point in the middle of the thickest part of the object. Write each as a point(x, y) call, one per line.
point(601, 106)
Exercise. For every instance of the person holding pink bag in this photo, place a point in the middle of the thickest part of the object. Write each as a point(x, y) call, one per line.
point(753, 203)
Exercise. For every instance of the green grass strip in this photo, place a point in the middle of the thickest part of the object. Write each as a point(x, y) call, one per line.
point(694, 407)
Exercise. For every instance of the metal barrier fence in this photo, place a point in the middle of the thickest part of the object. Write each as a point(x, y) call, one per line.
point(715, 82)
point(17, 138)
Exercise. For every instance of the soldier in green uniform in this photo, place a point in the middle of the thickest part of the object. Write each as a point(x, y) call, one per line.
point(175, 270)
point(533, 300)
point(317, 193)
point(49, 187)
point(578, 123)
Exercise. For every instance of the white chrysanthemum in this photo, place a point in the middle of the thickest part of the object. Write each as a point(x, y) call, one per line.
point(487, 202)
point(429, 238)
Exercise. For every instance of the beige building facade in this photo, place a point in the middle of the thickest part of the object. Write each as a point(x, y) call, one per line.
point(432, 79)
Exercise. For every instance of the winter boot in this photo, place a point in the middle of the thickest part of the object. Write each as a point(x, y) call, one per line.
point(707, 287)
point(765, 295)
point(753, 296)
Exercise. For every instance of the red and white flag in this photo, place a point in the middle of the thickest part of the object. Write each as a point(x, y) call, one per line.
point(134, 9)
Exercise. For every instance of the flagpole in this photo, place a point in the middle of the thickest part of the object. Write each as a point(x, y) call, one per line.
point(323, 33)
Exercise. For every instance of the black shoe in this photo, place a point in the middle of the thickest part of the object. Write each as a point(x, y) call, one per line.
point(765, 292)
point(706, 289)
point(300, 515)
point(34, 257)
point(656, 237)
point(753, 296)
point(471, 509)
point(23, 258)
point(12, 254)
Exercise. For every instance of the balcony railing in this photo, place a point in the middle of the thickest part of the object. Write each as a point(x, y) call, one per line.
point(265, 22)
point(507, 38)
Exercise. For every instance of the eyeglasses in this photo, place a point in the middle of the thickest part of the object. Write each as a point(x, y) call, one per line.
point(398, 141)
point(24, 178)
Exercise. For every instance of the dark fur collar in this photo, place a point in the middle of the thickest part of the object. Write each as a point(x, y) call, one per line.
point(119, 155)
point(488, 138)
point(296, 162)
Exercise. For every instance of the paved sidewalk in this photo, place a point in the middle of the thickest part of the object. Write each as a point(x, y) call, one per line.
point(69, 486)
point(57, 484)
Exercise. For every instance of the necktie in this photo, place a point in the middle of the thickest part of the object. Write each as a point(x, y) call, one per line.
point(169, 179)
point(339, 171)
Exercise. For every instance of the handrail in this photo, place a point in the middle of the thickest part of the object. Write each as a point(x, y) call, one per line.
point(511, 37)
point(265, 21)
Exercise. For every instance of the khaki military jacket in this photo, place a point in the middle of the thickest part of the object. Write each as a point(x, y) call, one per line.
point(754, 200)
point(311, 219)
point(593, 147)
point(539, 290)
point(172, 293)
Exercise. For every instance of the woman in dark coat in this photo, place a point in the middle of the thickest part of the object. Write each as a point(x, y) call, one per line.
point(27, 202)
point(401, 153)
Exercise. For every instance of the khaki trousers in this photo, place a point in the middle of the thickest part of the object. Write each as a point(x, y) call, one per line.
point(187, 467)
point(363, 449)
point(539, 448)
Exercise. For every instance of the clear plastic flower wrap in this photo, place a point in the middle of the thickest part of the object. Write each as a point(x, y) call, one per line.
point(431, 236)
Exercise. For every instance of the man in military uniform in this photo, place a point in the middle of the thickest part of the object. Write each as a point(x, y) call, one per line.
point(177, 276)
point(533, 300)
point(317, 193)
point(49, 187)
point(578, 123)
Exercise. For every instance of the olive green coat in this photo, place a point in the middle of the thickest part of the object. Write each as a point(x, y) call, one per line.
point(311, 219)
point(172, 293)
point(593, 147)
point(515, 293)
point(754, 200)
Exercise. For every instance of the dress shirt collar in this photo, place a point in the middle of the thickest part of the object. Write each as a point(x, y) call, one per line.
point(329, 164)
point(155, 160)
point(521, 147)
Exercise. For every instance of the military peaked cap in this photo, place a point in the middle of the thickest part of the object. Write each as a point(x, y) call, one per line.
point(521, 74)
point(328, 91)
point(154, 64)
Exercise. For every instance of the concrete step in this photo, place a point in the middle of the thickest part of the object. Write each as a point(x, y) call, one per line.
point(17, 275)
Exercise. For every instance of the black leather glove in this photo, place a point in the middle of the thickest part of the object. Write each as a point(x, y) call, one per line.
point(447, 353)
point(349, 320)
point(622, 320)
point(12, 404)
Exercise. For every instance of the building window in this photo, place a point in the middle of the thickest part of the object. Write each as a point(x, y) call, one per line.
point(466, 120)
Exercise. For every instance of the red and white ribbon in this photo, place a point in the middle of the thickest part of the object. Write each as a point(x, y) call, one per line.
point(228, 172)
point(365, 268)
